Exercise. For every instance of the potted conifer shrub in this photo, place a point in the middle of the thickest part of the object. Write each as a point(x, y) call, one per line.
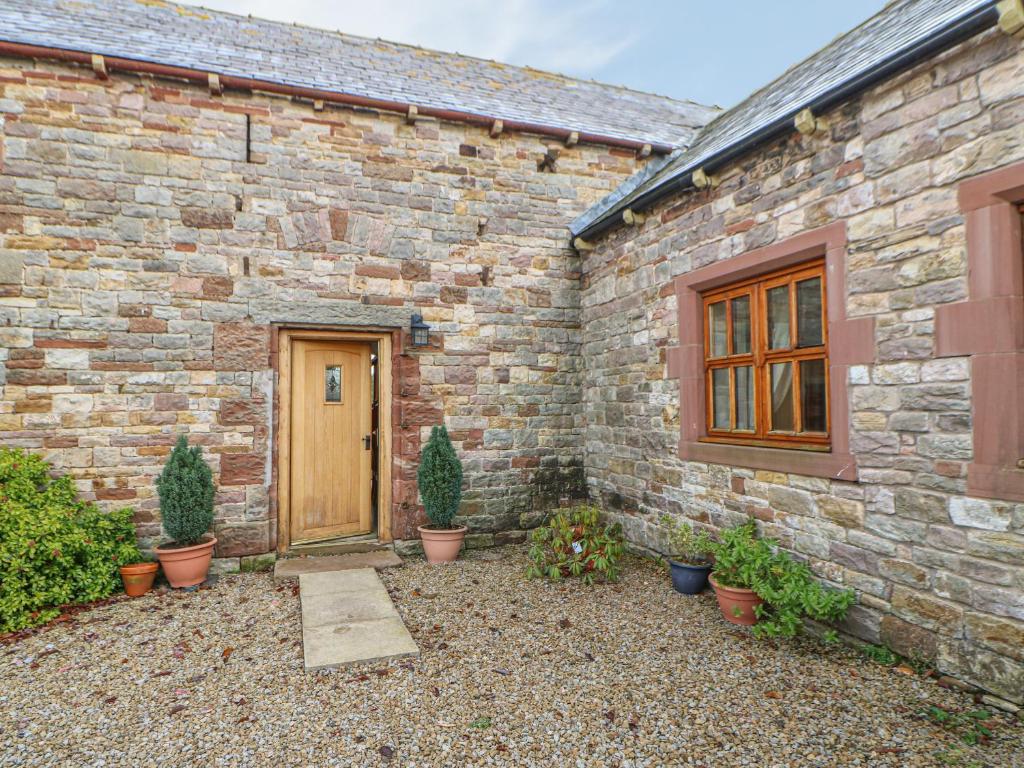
point(440, 483)
point(186, 492)
point(688, 560)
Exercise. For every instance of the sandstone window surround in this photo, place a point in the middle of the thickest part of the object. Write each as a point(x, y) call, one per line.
point(851, 342)
point(989, 328)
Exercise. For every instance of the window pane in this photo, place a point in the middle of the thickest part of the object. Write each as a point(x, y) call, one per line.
point(720, 385)
point(744, 397)
point(333, 384)
point(782, 397)
point(716, 321)
point(812, 395)
point(778, 317)
point(741, 325)
point(808, 313)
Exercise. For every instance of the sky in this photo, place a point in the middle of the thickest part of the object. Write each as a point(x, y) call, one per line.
point(711, 51)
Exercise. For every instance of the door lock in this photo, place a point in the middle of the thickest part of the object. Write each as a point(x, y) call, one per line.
point(367, 441)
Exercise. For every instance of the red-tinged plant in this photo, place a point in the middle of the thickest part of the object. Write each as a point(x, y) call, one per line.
point(575, 542)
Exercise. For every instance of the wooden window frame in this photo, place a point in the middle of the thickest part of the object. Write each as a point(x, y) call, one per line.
point(761, 357)
point(851, 342)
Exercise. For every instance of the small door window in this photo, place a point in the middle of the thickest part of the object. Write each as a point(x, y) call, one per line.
point(333, 384)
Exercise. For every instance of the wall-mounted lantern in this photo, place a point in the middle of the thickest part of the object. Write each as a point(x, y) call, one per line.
point(420, 331)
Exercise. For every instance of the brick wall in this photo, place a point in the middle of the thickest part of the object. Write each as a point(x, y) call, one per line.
point(145, 262)
point(937, 572)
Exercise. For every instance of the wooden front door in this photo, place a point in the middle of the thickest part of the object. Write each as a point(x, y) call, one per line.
point(331, 449)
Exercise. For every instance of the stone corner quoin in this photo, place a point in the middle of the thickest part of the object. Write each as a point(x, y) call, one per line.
point(149, 260)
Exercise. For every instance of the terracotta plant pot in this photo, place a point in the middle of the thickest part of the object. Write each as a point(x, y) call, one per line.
point(441, 545)
point(186, 566)
point(138, 578)
point(737, 604)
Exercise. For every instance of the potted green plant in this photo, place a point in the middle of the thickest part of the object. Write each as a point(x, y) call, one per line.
point(689, 556)
point(440, 482)
point(758, 584)
point(186, 493)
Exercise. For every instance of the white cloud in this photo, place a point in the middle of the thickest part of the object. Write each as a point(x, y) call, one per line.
point(563, 37)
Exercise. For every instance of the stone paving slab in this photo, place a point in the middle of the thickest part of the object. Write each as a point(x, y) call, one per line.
point(348, 618)
point(291, 568)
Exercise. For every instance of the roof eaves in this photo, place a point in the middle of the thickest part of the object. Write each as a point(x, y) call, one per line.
point(676, 172)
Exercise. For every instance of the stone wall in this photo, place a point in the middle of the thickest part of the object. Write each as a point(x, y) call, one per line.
point(148, 252)
point(938, 573)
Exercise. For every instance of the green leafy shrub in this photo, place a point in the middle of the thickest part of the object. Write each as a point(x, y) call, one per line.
point(186, 493)
point(880, 654)
point(788, 587)
point(575, 542)
point(54, 549)
point(440, 478)
point(967, 725)
point(686, 545)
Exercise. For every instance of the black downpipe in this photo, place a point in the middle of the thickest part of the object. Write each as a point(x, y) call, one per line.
point(956, 32)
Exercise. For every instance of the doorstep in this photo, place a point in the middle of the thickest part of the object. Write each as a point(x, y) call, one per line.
point(293, 567)
point(348, 618)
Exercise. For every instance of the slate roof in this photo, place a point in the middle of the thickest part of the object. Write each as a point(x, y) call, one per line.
point(902, 28)
point(295, 55)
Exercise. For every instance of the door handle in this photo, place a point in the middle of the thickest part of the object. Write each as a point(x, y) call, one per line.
point(367, 442)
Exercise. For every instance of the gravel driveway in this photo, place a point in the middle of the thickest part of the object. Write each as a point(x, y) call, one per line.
point(512, 673)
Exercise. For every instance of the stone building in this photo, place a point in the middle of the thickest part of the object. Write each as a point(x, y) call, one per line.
point(806, 309)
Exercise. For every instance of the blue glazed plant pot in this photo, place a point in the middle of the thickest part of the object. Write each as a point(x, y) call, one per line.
point(689, 579)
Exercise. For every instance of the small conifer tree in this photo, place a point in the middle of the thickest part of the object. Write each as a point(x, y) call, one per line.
point(440, 478)
point(186, 492)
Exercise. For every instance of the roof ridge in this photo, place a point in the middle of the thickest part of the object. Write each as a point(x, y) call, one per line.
point(318, 64)
point(415, 47)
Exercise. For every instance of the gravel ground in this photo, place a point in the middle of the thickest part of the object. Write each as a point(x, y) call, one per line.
point(512, 673)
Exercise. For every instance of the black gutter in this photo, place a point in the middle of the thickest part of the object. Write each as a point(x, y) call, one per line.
point(955, 32)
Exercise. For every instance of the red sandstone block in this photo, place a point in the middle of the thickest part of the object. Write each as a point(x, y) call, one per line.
point(240, 347)
point(390, 301)
point(110, 494)
point(461, 374)
point(377, 270)
point(70, 343)
point(217, 287)
point(28, 377)
point(415, 271)
point(467, 279)
point(420, 414)
point(170, 402)
point(208, 218)
point(234, 540)
point(242, 411)
point(339, 223)
point(740, 226)
point(134, 310)
point(242, 469)
point(147, 325)
point(850, 167)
